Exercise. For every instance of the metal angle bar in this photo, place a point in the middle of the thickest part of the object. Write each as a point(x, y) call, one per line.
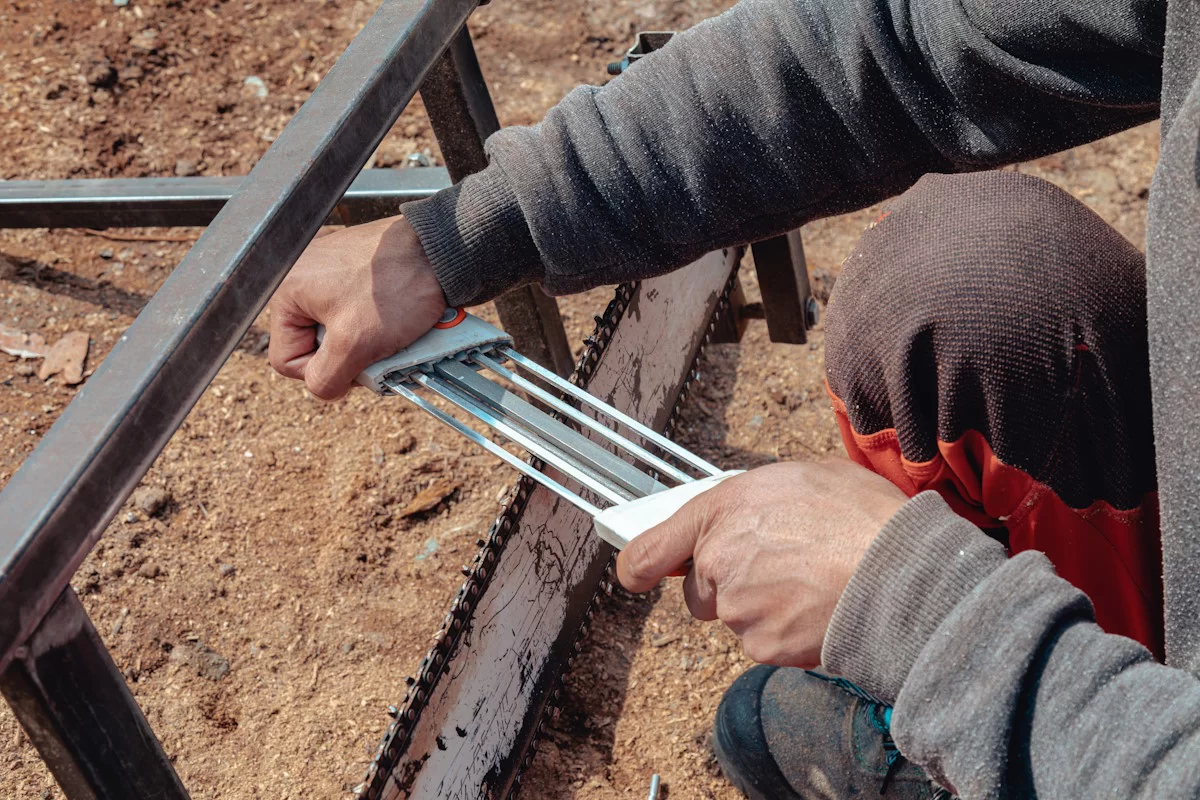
point(59, 502)
point(493, 448)
point(460, 108)
point(144, 202)
point(462, 115)
point(592, 455)
point(574, 391)
point(575, 414)
point(79, 714)
point(783, 277)
point(538, 448)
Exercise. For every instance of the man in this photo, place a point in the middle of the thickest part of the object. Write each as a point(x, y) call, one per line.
point(987, 340)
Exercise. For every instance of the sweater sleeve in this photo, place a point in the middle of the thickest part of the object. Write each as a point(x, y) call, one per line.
point(1004, 686)
point(778, 112)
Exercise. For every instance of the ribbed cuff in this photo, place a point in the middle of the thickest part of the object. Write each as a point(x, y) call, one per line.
point(476, 238)
point(922, 564)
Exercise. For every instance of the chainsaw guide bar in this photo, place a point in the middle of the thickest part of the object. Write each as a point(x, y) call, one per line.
point(470, 720)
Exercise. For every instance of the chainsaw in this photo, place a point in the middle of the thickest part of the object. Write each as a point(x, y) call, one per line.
point(598, 471)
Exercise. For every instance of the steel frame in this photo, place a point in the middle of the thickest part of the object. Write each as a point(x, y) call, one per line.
point(149, 202)
point(55, 671)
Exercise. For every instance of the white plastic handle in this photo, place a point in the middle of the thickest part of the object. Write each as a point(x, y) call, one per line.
point(621, 524)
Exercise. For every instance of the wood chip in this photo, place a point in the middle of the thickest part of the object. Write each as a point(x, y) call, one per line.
point(428, 498)
point(66, 356)
point(21, 344)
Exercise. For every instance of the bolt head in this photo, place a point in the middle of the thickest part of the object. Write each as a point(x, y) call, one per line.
point(812, 313)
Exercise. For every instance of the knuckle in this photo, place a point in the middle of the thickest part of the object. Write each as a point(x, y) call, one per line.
point(708, 564)
point(734, 494)
point(758, 649)
point(697, 608)
point(321, 387)
point(641, 560)
point(339, 345)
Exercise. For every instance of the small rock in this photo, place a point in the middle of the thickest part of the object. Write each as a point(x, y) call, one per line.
point(149, 570)
point(184, 167)
point(145, 40)
point(347, 647)
point(151, 499)
point(207, 662)
point(778, 395)
point(131, 517)
point(21, 344)
point(227, 570)
point(120, 3)
point(106, 253)
point(118, 267)
point(404, 443)
point(431, 548)
point(24, 370)
point(256, 85)
point(101, 74)
point(67, 356)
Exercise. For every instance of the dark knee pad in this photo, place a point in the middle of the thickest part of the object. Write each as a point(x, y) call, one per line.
point(998, 303)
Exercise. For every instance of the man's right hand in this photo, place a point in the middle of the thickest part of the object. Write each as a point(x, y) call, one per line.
point(373, 289)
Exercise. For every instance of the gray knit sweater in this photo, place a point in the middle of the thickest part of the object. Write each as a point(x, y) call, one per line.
point(781, 111)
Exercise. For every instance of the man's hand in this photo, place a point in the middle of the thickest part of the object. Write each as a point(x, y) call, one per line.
point(771, 552)
point(372, 288)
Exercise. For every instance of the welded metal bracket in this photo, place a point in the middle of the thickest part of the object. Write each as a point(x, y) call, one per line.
point(645, 43)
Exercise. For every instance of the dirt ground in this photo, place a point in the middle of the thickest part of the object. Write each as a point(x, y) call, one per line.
point(264, 594)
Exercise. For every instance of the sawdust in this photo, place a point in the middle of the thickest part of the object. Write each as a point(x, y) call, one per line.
point(281, 550)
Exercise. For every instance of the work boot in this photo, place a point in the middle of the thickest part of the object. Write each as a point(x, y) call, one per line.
point(790, 734)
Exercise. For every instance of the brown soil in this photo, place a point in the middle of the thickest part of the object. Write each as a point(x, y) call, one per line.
point(266, 604)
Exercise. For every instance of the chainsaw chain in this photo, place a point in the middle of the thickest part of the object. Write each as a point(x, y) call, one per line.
point(605, 586)
point(479, 574)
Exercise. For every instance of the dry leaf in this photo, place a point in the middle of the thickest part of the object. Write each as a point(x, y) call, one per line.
point(428, 498)
point(21, 344)
point(66, 356)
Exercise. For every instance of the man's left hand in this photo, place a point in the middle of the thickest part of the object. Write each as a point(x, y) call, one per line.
point(771, 552)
